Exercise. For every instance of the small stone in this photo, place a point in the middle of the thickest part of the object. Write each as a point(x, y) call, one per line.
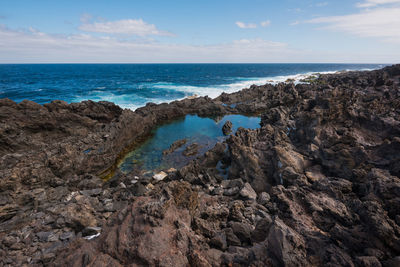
point(71, 196)
point(232, 183)
point(227, 128)
point(67, 236)
point(248, 192)
point(91, 192)
point(122, 185)
point(264, 198)
point(9, 240)
point(171, 170)
point(47, 257)
point(231, 238)
point(46, 236)
point(219, 241)
point(109, 207)
point(217, 191)
point(242, 231)
point(231, 191)
point(150, 187)
point(160, 176)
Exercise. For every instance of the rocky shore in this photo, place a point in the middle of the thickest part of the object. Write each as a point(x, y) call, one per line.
point(317, 185)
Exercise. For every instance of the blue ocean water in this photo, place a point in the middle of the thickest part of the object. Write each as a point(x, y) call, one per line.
point(205, 132)
point(133, 85)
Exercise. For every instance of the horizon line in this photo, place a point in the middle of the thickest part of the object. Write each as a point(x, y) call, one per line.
point(149, 63)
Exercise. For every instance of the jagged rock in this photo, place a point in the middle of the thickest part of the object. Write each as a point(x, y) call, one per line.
point(231, 238)
point(261, 230)
point(174, 146)
point(285, 245)
point(191, 150)
point(248, 192)
point(242, 231)
point(219, 241)
point(227, 128)
point(263, 198)
point(160, 176)
point(326, 153)
point(67, 236)
point(368, 261)
point(47, 236)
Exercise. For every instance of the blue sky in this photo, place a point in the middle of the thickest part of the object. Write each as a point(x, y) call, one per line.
point(365, 31)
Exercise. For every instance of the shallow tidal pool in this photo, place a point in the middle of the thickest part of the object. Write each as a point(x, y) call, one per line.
point(205, 132)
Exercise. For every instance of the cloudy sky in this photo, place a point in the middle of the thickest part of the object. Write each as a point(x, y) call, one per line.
point(364, 31)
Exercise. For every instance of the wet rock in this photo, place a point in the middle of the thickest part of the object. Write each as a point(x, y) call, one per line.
point(227, 128)
point(191, 150)
point(174, 146)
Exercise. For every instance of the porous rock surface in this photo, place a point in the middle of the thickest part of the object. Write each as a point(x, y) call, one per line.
point(317, 185)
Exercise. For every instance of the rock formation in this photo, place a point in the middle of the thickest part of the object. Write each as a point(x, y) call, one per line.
point(317, 185)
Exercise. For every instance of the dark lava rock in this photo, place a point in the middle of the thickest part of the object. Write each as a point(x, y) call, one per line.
point(219, 241)
point(247, 192)
point(191, 150)
point(324, 168)
point(227, 128)
point(174, 146)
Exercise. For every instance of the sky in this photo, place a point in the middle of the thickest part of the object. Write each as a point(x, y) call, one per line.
point(207, 31)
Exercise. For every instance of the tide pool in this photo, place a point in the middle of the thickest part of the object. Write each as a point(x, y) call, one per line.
point(205, 132)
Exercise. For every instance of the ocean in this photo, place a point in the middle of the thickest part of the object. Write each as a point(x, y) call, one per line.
point(133, 85)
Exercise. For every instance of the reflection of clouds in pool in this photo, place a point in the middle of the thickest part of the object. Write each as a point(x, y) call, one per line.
point(206, 132)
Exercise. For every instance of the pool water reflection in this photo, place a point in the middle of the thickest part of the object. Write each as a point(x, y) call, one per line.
point(205, 132)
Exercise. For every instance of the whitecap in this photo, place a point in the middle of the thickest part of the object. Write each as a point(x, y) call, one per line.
point(133, 101)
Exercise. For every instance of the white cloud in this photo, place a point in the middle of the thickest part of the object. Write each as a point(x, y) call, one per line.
point(322, 4)
point(33, 46)
point(379, 22)
point(243, 25)
point(294, 23)
point(265, 23)
point(85, 18)
point(374, 3)
point(127, 26)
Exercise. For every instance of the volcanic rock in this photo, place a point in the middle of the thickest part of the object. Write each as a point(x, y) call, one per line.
point(227, 128)
point(325, 166)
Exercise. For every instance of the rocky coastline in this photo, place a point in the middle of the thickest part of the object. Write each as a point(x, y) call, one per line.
point(317, 185)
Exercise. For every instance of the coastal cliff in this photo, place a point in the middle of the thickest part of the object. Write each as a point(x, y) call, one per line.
point(317, 185)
